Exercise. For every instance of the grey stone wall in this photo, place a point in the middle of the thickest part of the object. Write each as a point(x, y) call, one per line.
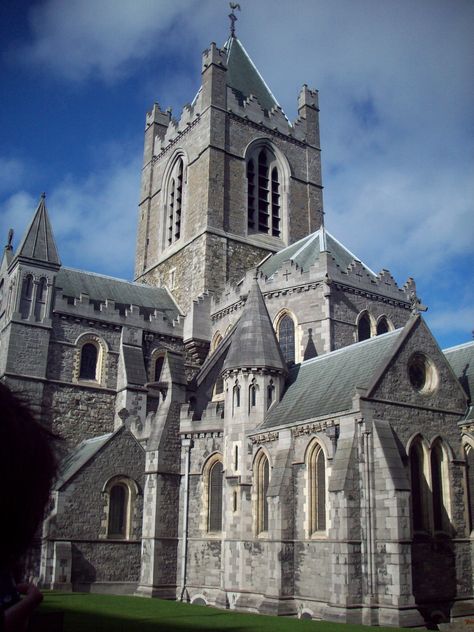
point(81, 518)
point(78, 412)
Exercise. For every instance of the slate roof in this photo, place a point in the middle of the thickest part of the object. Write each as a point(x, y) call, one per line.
point(461, 359)
point(326, 385)
point(38, 242)
point(243, 76)
point(254, 343)
point(305, 252)
point(79, 457)
point(98, 287)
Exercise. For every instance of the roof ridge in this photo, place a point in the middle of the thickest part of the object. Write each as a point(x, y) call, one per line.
point(107, 276)
point(354, 257)
point(462, 345)
point(362, 343)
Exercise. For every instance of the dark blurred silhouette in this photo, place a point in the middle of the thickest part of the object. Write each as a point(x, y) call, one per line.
point(27, 468)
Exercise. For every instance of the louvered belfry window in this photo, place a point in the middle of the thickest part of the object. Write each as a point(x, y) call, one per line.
point(215, 497)
point(175, 202)
point(263, 194)
point(286, 338)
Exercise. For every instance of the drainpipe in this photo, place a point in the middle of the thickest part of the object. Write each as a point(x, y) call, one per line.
point(186, 443)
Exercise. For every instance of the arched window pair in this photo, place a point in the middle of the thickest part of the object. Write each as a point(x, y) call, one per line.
point(27, 297)
point(213, 475)
point(91, 359)
point(367, 327)
point(263, 193)
point(285, 331)
point(316, 468)
point(121, 494)
point(429, 474)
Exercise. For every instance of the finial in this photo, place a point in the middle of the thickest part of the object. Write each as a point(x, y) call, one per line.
point(43, 196)
point(10, 239)
point(233, 17)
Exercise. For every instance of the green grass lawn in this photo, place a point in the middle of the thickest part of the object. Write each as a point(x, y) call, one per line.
point(106, 613)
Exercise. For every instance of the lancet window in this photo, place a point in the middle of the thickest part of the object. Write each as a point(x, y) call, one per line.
point(317, 489)
point(263, 193)
point(175, 201)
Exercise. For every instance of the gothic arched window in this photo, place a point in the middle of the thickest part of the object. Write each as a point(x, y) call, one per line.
point(363, 327)
point(382, 326)
point(469, 454)
point(40, 302)
point(262, 479)
point(286, 338)
point(121, 493)
point(235, 397)
point(253, 394)
point(270, 394)
point(214, 515)
point(118, 507)
point(26, 296)
point(439, 480)
point(175, 201)
point(419, 486)
point(317, 489)
point(89, 359)
point(158, 368)
point(263, 193)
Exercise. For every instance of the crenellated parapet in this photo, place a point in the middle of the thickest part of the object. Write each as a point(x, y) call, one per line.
point(109, 311)
point(275, 119)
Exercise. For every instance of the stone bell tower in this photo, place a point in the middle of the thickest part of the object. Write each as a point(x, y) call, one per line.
point(228, 183)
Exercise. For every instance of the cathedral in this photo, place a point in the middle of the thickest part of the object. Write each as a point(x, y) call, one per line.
point(259, 421)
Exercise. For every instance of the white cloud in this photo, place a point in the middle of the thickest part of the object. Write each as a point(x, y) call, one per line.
point(82, 38)
point(11, 172)
point(93, 220)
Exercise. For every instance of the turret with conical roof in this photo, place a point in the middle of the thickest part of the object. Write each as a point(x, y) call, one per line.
point(227, 183)
point(26, 319)
point(254, 344)
point(38, 244)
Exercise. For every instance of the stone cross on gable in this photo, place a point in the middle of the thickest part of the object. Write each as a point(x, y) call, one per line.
point(286, 274)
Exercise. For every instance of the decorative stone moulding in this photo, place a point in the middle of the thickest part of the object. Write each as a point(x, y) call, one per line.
point(313, 428)
point(265, 437)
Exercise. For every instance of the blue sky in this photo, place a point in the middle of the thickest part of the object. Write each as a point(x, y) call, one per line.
point(397, 122)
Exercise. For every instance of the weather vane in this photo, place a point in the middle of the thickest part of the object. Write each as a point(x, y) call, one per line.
point(233, 17)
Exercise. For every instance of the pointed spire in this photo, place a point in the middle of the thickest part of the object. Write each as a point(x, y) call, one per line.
point(38, 242)
point(243, 76)
point(254, 342)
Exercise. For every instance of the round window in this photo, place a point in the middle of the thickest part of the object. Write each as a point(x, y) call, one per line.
point(422, 373)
